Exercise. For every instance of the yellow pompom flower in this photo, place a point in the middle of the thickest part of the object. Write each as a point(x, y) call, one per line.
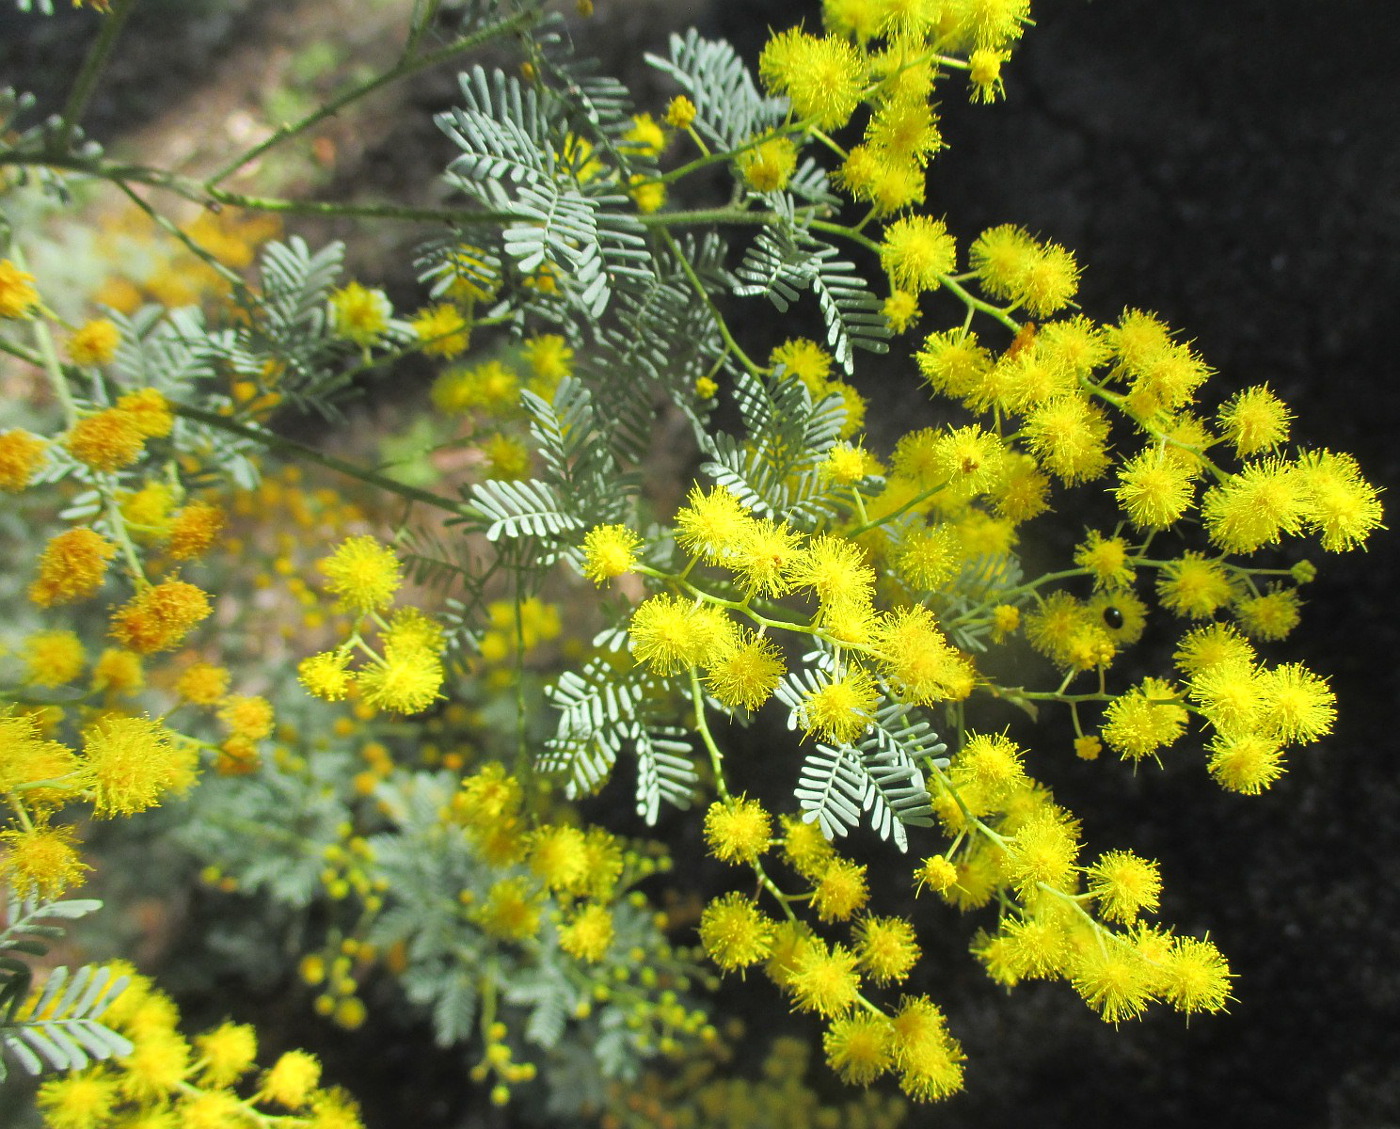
point(1069, 438)
point(680, 112)
point(824, 980)
point(937, 873)
point(1338, 503)
point(671, 634)
point(204, 684)
point(18, 298)
point(589, 935)
point(835, 569)
point(1153, 490)
point(1295, 703)
point(840, 709)
point(841, 890)
point(1144, 719)
point(325, 675)
point(79, 1100)
point(1105, 559)
point(20, 456)
point(737, 830)
point(1269, 616)
point(1043, 850)
point(226, 1053)
point(557, 857)
point(1254, 420)
point(442, 329)
point(1263, 501)
point(407, 680)
point(1210, 646)
point(1114, 979)
point(1124, 885)
point(823, 78)
point(193, 530)
point(859, 1047)
point(359, 314)
point(247, 716)
point(734, 932)
point(1195, 976)
point(106, 441)
point(645, 136)
point(885, 948)
point(149, 411)
point(291, 1080)
point(512, 910)
point(94, 342)
point(920, 661)
point(159, 617)
point(710, 525)
point(928, 1058)
point(363, 572)
point(1245, 762)
point(118, 671)
point(609, 551)
point(52, 658)
point(1195, 586)
point(916, 252)
point(132, 762)
point(40, 861)
point(805, 848)
point(768, 165)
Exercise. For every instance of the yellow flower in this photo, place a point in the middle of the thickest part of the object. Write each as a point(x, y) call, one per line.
point(671, 633)
point(734, 933)
point(159, 617)
point(41, 861)
point(203, 684)
point(363, 573)
point(824, 980)
point(1124, 885)
point(133, 762)
point(609, 551)
point(841, 890)
point(928, 1058)
point(1114, 979)
point(94, 343)
point(227, 1052)
point(589, 935)
point(52, 658)
point(291, 1079)
point(769, 165)
point(1195, 976)
point(149, 411)
point(359, 314)
point(680, 112)
point(840, 709)
point(916, 252)
point(511, 911)
point(72, 566)
point(886, 948)
point(859, 1047)
point(645, 136)
point(745, 672)
point(407, 680)
point(737, 830)
point(557, 857)
point(17, 294)
point(824, 78)
point(80, 1100)
point(106, 441)
point(442, 329)
point(20, 455)
point(1144, 719)
point(193, 530)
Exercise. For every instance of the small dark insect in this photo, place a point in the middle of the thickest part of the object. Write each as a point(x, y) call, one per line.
point(1113, 617)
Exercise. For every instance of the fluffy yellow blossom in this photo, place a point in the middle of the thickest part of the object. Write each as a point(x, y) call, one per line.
point(916, 252)
point(588, 936)
point(78, 1100)
point(928, 1058)
point(72, 566)
point(768, 165)
point(52, 658)
point(94, 342)
point(227, 1053)
point(744, 672)
point(1144, 719)
point(680, 112)
point(859, 1047)
point(359, 314)
point(106, 441)
point(407, 679)
point(40, 861)
point(823, 78)
point(364, 573)
point(824, 980)
point(149, 411)
point(1124, 885)
point(734, 932)
point(1196, 586)
point(193, 530)
point(840, 709)
point(609, 551)
point(1195, 976)
point(737, 830)
point(1114, 979)
point(159, 617)
point(132, 762)
point(325, 675)
point(885, 948)
point(203, 684)
point(118, 671)
point(442, 329)
point(672, 633)
point(291, 1079)
point(17, 294)
point(20, 456)
point(841, 890)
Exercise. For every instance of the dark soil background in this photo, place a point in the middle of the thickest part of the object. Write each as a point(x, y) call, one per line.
point(1235, 167)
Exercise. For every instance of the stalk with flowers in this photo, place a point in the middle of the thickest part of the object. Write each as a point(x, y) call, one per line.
point(339, 755)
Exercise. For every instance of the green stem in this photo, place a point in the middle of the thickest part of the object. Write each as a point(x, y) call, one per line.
point(353, 470)
point(704, 294)
point(48, 353)
point(702, 727)
point(93, 66)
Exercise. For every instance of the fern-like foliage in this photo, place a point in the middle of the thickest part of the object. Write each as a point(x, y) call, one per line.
point(786, 259)
point(602, 713)
point(728, 106)
point(61, 1029)
point(774, 470)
